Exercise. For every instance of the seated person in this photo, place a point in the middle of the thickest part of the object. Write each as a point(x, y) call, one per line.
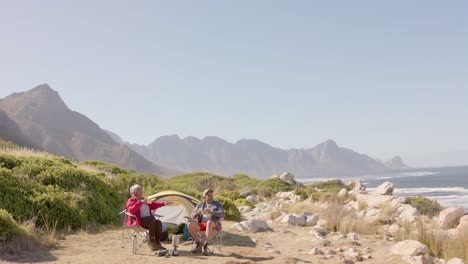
point(138, 205)
point(207, 213)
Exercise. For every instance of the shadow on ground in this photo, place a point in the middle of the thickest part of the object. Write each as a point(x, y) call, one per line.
point(230, 239)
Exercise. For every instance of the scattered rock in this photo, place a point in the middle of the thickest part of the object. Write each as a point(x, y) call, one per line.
point(417, 259)
point(251, 226)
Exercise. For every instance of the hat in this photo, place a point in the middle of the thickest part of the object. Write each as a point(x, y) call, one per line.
point(205, 192)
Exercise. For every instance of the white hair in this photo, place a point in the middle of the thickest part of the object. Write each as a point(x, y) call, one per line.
point(134, 188)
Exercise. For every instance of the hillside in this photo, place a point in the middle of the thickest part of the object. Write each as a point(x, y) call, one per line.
point(48, 123)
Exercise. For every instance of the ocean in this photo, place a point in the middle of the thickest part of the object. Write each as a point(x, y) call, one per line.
point(448, 185)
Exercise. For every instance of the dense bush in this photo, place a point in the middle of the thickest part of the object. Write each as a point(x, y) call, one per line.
point(425, 205)
point(230, 209)
point(231, 195)
point(243, 202)
point(275, 184)
point(55, 193)
point(8, 227)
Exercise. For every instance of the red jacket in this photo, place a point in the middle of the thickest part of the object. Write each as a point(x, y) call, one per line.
point(133, 207)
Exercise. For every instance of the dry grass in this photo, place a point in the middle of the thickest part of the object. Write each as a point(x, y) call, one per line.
point(356, 224)
point(26, 152)
point(362, 205)
point(441, 243)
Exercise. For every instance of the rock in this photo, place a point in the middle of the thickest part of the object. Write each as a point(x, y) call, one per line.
point(449, 218)
point(409, 247)
point(463, 225)
point(319, 232)
point(351, 252)
point(252, 198)
point(385, 188)
point(357, 187)
point(407, 213)
point(245, 209)
point(455, 261)
point(321, 223)
point(289, 196)
point(417, 259)
point(246, 193)
point(312, 220)
point(314, 251)
point(343, 192)
point(329, 251)
point(352, 235)
point(295, 219)
point(251, 226)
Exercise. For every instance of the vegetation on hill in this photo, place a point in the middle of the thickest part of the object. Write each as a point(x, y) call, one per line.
point(57, 193)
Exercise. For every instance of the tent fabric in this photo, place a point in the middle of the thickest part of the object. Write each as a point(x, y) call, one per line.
point(181, 206)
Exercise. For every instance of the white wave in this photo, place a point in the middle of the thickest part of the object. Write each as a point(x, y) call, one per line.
point(420, 190)
point(417, 174)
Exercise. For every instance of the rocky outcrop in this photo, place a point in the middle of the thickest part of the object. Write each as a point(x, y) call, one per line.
point(385, 188)
point(251, 226)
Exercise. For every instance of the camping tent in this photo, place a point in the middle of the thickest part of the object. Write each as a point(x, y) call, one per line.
point(181, 206)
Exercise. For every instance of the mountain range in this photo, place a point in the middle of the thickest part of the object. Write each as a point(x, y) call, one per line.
point(42, 116)
point(40, 119)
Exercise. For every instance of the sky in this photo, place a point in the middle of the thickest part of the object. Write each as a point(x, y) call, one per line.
point(382, 78)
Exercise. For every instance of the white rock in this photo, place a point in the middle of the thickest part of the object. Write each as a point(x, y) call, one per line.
point(409, 247)
point(245, 209)
point(450, 217)
point(252, 198)
point(455, 261)
point(385, 188)
point(343, 192)
point(312, 220)
point(417, 259)
point(314, 251)
point(352, 235)
point(463, 225)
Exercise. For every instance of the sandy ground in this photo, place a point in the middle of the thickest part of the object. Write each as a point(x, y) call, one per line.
point(283, 244)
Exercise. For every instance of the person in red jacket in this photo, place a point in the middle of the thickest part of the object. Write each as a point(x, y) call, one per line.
point(138, 206)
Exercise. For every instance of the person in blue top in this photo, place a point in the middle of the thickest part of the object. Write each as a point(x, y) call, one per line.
point(207, 213)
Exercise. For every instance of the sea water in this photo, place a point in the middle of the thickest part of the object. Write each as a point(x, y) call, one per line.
point(448, 185)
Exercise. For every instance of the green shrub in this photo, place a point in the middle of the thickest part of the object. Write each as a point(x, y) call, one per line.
point(425, 205)
point(231, 195)
point(8, 144)
point(230, 209)
point(9, 161)
point(8, 227)
point(151, 184)
point(243, 202)
point(276, 184)
point(331, 186)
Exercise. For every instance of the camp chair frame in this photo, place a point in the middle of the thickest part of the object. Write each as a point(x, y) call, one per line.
point(136, 235)
point(216, 240)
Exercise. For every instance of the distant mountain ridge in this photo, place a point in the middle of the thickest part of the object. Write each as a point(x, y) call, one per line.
point(255, 158)
point(47, 122)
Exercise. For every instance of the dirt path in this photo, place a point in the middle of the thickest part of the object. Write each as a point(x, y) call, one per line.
point(286, 244)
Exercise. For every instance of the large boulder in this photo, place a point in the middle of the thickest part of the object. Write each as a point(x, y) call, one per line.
point(409, 247)
point(295, 219)
point(385, 188)
point(417, 260)
point(449, 218)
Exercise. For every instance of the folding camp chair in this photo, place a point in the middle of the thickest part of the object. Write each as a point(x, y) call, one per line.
point(136, 235)
point(216, 240)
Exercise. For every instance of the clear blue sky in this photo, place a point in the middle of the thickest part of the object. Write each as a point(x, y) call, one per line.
point(381, 78)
